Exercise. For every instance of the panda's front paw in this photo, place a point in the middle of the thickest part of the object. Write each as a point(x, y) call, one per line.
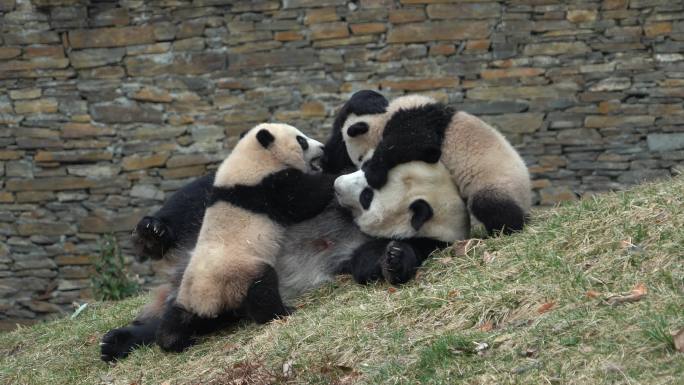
point(375, 176)
point(399, 263)
point(152, 238)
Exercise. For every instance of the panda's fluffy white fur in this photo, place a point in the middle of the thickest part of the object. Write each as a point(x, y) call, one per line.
point(488, 172)
point(269, 181)
point(418, 200)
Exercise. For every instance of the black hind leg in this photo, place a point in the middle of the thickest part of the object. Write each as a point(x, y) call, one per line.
point(178, 328)
point(118, 343)
point(152, 238)
point(497, 211)
point(176, 331)
point(263, 302)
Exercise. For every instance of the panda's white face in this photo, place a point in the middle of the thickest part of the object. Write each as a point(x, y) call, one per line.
point(289, 146)
point(269, 148)
point(362, 134)
point(419, 200)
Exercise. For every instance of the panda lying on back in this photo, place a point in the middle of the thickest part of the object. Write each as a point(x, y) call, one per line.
point(418, 200)
point(265, 184)
point(488, 172)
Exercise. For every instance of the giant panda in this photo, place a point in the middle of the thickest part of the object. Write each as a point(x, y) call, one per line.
point(415, 202)
point(311, 252)
point(265, 184)
point(490, 175)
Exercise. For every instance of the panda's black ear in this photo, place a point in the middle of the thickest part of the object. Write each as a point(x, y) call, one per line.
point(265, 137)
point(422, 212)
point(367, 102)
point(357, 129)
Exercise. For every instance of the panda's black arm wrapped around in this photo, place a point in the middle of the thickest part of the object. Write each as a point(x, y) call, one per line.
point(411, 134)
point(287, 197)
point(176, 223)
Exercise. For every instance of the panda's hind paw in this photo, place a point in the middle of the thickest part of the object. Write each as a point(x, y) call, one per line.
point(116, 344)
point(399, 263)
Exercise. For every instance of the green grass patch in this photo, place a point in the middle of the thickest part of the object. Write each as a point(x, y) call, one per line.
point(523, 309)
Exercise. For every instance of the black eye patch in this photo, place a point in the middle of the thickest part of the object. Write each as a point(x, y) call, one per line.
point(366, 198)
point(303, 142)
point(357, 129)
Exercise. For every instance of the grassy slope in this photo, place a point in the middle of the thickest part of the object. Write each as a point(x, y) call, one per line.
point(426, 331)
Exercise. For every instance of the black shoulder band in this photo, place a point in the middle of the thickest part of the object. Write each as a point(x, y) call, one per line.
point(288, 196)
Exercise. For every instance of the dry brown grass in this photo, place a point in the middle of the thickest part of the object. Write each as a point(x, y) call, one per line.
point(530, 308)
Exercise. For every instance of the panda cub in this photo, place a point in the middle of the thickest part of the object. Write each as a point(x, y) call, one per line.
point(489, 174)
point(270, 180)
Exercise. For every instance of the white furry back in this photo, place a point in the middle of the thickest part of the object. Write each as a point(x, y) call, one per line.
point(477, 155)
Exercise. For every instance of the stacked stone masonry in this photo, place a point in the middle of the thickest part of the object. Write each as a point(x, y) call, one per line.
point(107, 107)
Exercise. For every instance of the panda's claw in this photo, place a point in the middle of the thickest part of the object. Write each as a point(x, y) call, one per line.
point(399, 263)
point(152, 237)
point(393, 253)
point(116, 344)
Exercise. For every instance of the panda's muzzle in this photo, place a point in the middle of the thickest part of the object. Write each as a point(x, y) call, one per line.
point(316, 164)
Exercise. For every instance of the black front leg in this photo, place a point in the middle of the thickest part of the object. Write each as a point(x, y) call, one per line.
point(176, 224)
point(402, 259)
point(364, 265)
point(412, 134)
point(176, 331)
point(399, 263)
point(396, 261)
point(152, 238)
point(302, 196)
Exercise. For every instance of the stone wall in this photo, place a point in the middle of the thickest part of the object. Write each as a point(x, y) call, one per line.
point(107, 107)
